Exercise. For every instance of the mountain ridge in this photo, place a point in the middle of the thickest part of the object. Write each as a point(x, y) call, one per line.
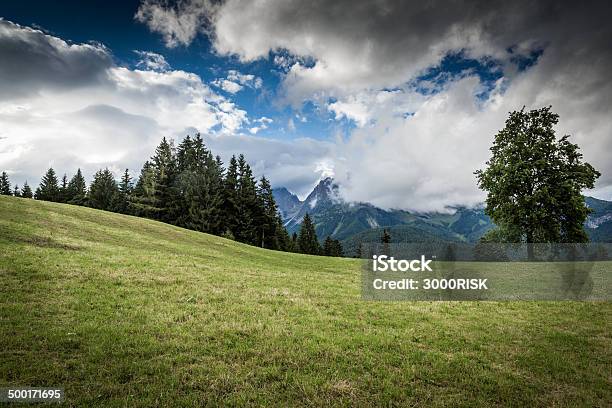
point(354, 222)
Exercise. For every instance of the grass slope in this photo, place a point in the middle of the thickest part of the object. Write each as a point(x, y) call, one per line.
point(123, 311)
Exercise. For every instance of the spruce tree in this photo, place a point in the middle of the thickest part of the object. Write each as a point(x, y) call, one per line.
point(76, 192)
point(230, 197)
point(63, 195)
point(307, 239)
point(26, 191)
point(294, 242)
point(249, 208)
point(332, 247)
point(16, 191)
point(142, 201)
point(103, 191)
point(164, 166)
point(48, 189)
point(268, 219)
point(125, 191)
point(385, 239)
point(284, 240)
point(5, 184)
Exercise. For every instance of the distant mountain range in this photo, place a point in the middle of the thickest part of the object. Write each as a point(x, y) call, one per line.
point(353, 223)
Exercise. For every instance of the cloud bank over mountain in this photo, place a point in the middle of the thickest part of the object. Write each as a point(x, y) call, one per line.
point(416, 141)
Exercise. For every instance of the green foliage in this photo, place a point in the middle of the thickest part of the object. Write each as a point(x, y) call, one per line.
point(77, 189)
point(5, 184)
point(307, 239)
point(534, 181)
point(26, 191)
point(16, 191)
point(48, 189)
point(63, 196)
point(103, 191)
point(125, 191)
point(142, 201)
point(332, 247)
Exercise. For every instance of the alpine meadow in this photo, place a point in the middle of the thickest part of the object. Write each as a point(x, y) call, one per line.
point(305, 204)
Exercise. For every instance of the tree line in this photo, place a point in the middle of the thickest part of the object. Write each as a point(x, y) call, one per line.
point(187, 186)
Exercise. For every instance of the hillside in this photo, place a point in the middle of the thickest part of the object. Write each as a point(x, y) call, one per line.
point(123, 311)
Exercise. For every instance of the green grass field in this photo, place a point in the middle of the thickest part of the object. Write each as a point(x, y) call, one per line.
point(122, 311)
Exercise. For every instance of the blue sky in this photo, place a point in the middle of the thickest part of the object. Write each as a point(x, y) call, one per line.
point(399, 105)
point(114, 26)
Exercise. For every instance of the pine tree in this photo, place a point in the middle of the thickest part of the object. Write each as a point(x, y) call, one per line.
point(164, 165)
point(268, 221)
point(125, 191)
point(5, 184)
point(294, 242)
point(307, 239)
point(76, 192)
point(48, 189)
point(26, 191)
point(385, 239)
point(63, 194)
point(249, 208)
point(328, 246)
point(199, 184)
point(284, 240)
point(142, 201)
point(16, 191)
point(230, 197)
point(103, 191)
point(332, 247)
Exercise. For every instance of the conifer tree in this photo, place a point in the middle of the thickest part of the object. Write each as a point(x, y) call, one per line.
point(164, 165)
point(16, 191)
point(307, 239)
point(285, 242)
point(103, 191)
point(5, 184)
point(26, 191)
point(142, 201)
point(267, 223)
point(125, 191)
point(230, 197)
point(385, 239)
point(294, 242)
point(332, 247)
point(48, 189)
point(248, 206)
point(63, 195)
point(76, 193)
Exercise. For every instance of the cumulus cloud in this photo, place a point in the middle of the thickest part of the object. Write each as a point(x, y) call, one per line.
point(237, 81)
point(417, 148)
point(178, 25)
point(107, 116)
point(152, 61)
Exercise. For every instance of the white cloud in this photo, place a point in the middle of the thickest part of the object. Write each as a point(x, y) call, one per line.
point(236, 81)
point(114, 119)
point(178, 25)
point(227, 86)
point(410, 150)
point(152, 61)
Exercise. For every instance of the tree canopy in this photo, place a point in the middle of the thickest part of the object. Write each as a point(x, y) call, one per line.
point(534, 181)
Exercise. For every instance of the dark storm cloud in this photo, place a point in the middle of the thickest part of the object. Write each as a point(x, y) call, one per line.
point(33, 61)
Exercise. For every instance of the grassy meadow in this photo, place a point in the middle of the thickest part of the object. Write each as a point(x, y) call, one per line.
point(123, 311)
